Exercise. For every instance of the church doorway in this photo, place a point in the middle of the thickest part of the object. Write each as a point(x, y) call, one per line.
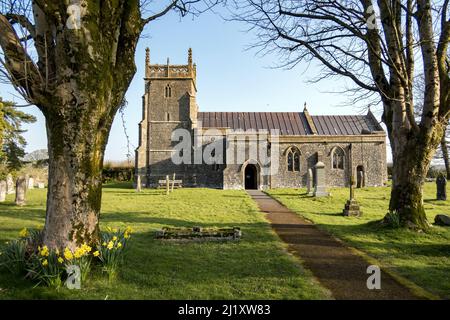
point(251, 177)
point(360, 177)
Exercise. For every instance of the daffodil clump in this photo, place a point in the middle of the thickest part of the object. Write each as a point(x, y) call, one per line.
point(111, 250)
point(48, 266)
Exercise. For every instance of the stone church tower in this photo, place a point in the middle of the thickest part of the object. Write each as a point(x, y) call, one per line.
point(169, 103)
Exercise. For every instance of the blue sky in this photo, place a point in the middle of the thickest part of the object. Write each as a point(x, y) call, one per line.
point(229, 78)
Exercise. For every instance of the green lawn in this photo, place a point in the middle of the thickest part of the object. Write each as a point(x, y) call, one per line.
point(423, 258)
point(257, 267)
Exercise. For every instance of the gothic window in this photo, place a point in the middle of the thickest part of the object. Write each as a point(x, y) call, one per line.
point(337, 158)
point(293, 159)
point(168, 93)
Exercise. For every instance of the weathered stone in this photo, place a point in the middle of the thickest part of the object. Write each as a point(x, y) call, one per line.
point(442, 220)
point(138, 183)
point(10, 188)
point(30, 183)
point(169, 103)
point(320, 189)
point(2, 191)
point(41, 185)
point(441, 188)
point(21, 189)
point(309, 183)
point(352, 209)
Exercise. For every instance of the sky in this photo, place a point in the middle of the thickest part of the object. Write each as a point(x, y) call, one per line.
point(230, 77)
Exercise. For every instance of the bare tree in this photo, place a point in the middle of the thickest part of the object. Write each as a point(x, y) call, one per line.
point(74, 60)
point(377, 46)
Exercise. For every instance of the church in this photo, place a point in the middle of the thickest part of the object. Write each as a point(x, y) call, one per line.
point(248, 150)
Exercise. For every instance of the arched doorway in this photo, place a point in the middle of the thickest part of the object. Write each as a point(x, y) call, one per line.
point(251, 177)
point(360, 177)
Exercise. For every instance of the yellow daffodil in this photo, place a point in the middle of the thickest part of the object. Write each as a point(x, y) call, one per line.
point(60, 260)
point(23, 233)
point(114, 238)
point(104, 244)
point(110, 245)
point(68, 254)
point(45, 262)
point(115, 230)
point(96, 253)
point(44, 251)
point(57, 252)
point(119, 245)
point(126, 235)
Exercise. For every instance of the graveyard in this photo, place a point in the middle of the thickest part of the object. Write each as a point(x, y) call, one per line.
point(257, 266)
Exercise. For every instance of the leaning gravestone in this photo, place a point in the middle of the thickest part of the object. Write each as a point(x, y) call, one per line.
point(309, 182)
point(320, 184)
point(21, 189)
point(2, 191)
point(441, 190)
point(30, 184)
point(10, 188)
point(442, 220)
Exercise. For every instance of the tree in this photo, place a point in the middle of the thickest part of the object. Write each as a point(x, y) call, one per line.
point(379, 57)
point(82, 67)
point(12, 142)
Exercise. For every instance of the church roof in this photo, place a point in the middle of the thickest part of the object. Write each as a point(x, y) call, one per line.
point(291, 123)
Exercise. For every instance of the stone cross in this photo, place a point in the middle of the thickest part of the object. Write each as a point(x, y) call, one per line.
point(441, 190)
point(2, 191)
point(352, 190)
point(351, 208)
point(309, 182)
point(173, 182)
point(10, 184)
point(21, 189)
point(320, 184)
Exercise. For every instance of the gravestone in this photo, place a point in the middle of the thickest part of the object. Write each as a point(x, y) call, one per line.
point(30, 184)
point(309, 182)
point(360, 179)
point(2, 191)
point(41, 185)
point(10, 188)
point(21, 189)
point(320, 189)
point(351, 208)
point(138, 183)
point(442, 220)
point(441, 188)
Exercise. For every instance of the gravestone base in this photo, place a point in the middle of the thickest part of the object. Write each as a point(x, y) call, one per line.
point(320, 192)
point(351, 209)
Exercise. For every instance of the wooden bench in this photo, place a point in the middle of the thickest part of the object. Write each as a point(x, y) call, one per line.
point(176, 183)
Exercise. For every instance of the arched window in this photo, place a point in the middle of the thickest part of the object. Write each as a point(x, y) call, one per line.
point(293, 159)
point(337, 158)
point(168, 91)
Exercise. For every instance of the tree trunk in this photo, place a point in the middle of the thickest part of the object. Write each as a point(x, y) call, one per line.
point(444, 150)
point(76, 147)
point(411, 161)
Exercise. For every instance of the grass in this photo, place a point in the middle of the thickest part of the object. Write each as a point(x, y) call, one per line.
point(423, 258)
point(257, 267)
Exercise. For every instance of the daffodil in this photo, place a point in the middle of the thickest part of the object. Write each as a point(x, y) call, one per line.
point(114, 238)
point(60, 260)
point(68, 254)
point(110, 245)
point(44, 251)
point(104, 244)
point(119, 245)
point(96, 253)
point(45, 262)
point(23, 233)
